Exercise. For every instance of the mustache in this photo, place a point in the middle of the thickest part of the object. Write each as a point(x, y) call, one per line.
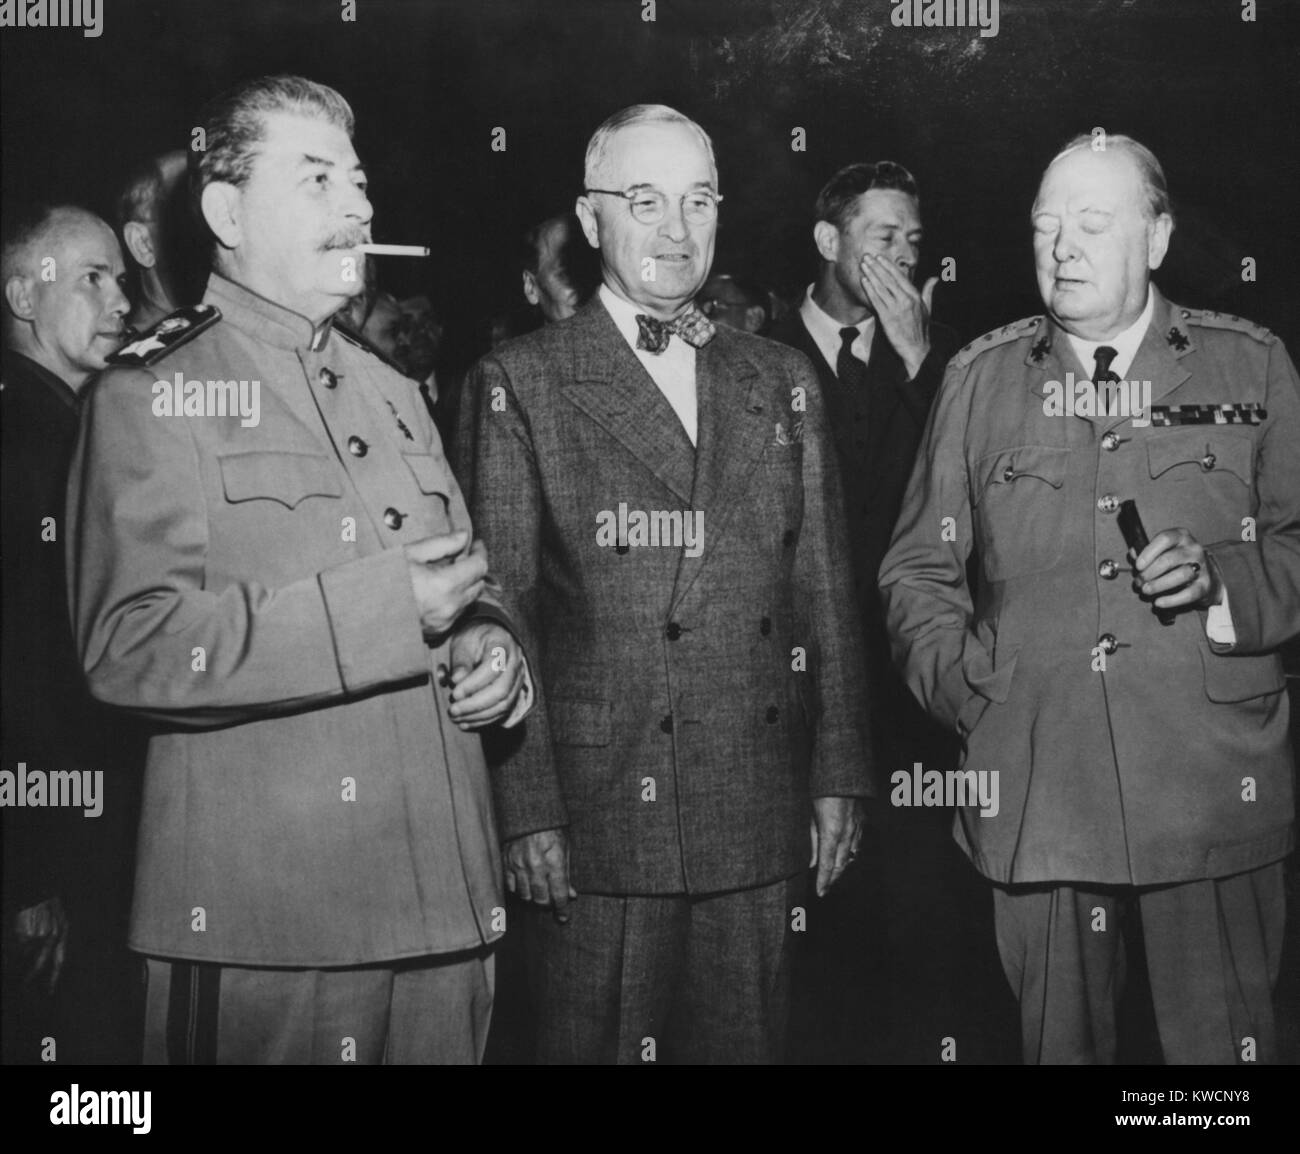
point(348, 238)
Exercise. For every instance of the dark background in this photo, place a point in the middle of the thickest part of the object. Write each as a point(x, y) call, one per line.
point(976, 119)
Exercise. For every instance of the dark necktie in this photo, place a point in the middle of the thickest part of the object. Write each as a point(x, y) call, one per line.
point(851, 371)
point(1103, 374)
point(691, 325)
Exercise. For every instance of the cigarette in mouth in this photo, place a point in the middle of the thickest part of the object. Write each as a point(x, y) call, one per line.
point(395, 249)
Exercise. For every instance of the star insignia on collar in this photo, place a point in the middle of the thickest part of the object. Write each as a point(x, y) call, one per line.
point(1177, 339)
point(1039, 351)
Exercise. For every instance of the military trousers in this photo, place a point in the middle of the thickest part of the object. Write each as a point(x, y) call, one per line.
point(648, 979)
point(1213, 951)
point(429, 1010)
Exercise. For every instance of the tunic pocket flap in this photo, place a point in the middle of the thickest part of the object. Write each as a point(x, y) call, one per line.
point(286, 477)
point(1230, 679)
point(430, 472)
point(575, 722)
point(1038, 464)
point(1200, 450)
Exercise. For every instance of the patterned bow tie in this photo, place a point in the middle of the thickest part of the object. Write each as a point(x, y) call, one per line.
point(691, 325)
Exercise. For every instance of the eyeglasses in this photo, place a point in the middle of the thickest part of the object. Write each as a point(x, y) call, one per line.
point(650, 206)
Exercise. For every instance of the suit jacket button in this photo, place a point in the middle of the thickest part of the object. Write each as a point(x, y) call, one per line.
point(1110, 442)
point(327, 378)
point(1108, 643)
point(1108, 569)
point(666, 725)
point(765, 626)
point(393, 519)
point(772, 714)
point(1108, 504)
point(357, 447)
point(1207, 462)
point(673, 632)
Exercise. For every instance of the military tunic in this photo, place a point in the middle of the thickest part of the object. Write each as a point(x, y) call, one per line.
point(1127, 752)
point(308, 802)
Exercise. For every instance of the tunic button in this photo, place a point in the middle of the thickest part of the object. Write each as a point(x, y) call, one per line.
point(327, 378)
point(666, 725)
point(772, 715)
point(357, 447)
point(673, 632)
point(1108, 569)
point(765, 626)
point(1110, 442)
point(393, 519)
point(1108, 643)
point(1207, 462)
point(1008, 474)
point(1108, 504)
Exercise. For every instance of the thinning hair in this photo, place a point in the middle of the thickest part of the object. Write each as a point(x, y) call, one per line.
point(530, 245)
point(28, 230)
point(234, 124)
point(630, 117)
point(145, 190)
point(838, 200)
point(1150, 172)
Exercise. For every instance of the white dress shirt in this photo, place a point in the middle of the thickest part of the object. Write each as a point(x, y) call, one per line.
point(1125, 344)
point(825, 332)
point(673, 370)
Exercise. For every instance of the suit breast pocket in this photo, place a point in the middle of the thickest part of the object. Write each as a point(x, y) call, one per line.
point(284, 478)
point(1019, 509)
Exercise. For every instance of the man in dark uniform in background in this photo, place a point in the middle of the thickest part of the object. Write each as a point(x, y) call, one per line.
point(66, 873)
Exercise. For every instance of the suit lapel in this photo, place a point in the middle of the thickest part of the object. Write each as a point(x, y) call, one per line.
point(612, 387)
point(735, 425)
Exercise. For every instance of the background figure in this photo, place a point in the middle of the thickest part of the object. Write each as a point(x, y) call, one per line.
point(1143, 767)
point(67, 974)
point(866, 327)
point(735, 303)
point(168, 262)
point(687, 754)
point(558, 267)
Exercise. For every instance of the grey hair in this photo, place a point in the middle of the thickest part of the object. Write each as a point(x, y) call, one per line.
point(1149, 169)
point(634, 114)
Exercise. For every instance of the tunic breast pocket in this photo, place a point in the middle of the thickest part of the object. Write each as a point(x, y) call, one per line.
point(286, 478)
point(1018, 510)
point(433, 478)
point(1204, 480)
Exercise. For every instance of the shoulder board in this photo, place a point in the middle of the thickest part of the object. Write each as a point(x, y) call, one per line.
point(991, 340)
point(1208, 319)
point(169, 333)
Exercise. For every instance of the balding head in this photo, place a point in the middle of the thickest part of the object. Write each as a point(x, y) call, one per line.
point(62, 272)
